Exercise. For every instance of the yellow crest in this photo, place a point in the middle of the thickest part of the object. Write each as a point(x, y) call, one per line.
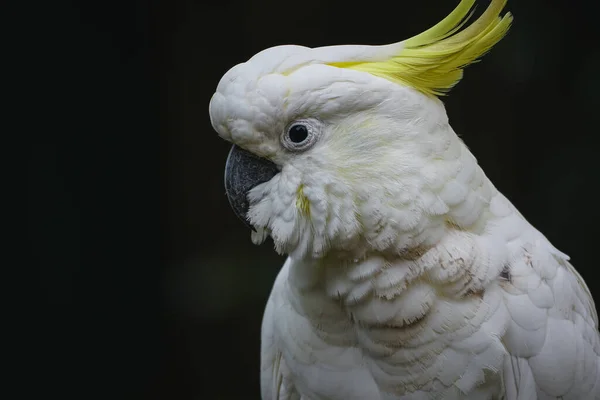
point(432, 61)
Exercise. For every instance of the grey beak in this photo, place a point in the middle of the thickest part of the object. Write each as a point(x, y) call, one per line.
point(244, 171)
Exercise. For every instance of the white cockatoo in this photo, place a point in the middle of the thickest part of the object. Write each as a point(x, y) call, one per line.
point(409, 276)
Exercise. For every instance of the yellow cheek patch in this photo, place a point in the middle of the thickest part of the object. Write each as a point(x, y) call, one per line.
point(302, 202)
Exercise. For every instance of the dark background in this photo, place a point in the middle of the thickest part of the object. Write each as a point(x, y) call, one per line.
point(150, 286)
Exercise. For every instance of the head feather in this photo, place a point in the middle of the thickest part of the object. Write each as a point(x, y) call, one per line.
point(433, 61)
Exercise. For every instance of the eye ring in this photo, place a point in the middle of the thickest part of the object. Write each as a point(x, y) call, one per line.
point(300, 135)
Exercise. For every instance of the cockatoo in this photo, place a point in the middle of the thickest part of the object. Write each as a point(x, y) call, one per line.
point(409, 275)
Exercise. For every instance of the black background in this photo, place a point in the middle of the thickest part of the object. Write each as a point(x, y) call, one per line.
point(149, 285)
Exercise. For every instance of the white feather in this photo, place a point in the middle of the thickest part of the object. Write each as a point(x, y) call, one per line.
point(410, 276)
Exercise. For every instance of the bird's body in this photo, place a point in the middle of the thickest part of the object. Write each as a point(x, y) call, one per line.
point(446, 324)
point(410, 276)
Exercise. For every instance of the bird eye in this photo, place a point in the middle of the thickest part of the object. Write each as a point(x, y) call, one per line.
point(300, 135)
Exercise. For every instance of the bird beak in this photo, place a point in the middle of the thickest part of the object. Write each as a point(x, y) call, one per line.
point(244, 171)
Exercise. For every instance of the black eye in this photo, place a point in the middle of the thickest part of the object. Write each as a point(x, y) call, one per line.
point(298, 133)
point(301, 134)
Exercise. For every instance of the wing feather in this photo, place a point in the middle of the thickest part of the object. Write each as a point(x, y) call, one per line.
point(557, 356)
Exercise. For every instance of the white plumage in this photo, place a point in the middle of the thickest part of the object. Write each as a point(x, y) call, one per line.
point(410, 275)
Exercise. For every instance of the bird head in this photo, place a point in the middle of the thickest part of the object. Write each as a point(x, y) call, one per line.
point(343, 147)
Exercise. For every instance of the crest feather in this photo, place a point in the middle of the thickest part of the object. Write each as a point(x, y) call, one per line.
point(433, 61)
